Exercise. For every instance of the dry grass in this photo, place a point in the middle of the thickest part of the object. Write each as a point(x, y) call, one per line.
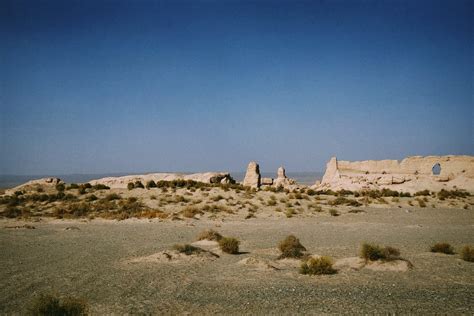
point(318, 266)
point(291, 247)
point(442, 248)
point(371, 252)
point(49, 305)
point(209, 235)
point(190, 212)
point(467, 254)
point(229, 245)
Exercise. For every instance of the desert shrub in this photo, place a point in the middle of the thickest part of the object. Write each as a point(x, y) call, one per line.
point(318, 266)
point(11, 212)
point(467, 254)
point(60, 187)
point(453, 194)
point(187, 249)
point(112, 197)
point(290, 212)
point(442, 248)
point(371, 252)
point(72, 186)
point(291, 247)
point(334, 212)
point(271, 202)
point(229, 245)
point(209, 235)
point(130, 186)
point(138, 184)
point(423, 193)
point(190, 212)
point(49, 305)
point(395, 200)
point(311, 192)
point(344, 192)
point(217, 198)
point(100, 186)
point(344, 201)
point(389, 193)
point(78, 209)
point(215, 208)
point(91, 198)
point(405, 194)
point(315, 207)
point(150, 184)
point(421, 202)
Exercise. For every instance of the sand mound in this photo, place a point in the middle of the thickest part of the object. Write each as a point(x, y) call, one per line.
point(174, 256)
point(258, 264)
point(351, 264)
point(395, 266)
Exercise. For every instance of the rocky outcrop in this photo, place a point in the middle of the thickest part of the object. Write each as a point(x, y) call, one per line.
point(283, 181)
point(412, 174)
point(252, 176)
point(122, 182)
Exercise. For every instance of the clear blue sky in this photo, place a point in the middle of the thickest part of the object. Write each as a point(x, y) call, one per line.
point(126, 86)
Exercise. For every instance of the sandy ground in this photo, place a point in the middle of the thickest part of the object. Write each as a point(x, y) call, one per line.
point(102, 262)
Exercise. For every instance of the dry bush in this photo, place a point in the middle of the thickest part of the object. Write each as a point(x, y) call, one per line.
point(344, 201)
point(209, 235)
point(49, 305)
point(271, 202)
point(187, 249)
point(318, 266)
point(217, 198)
point(453, 194)
point(421, 202)
point(334, 212)
point(190, 212)
point(229, 245)
point(442, 248)
point(290, 212)
point(371, 252)
point(291, 247)
point(112, 196)
point(214, 208)
point(467, 254)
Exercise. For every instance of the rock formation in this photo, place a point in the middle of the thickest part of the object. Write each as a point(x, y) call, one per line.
point(252, 176)
point(412, 174)
point(34, 185)
point(283, 181)
point(122, 182)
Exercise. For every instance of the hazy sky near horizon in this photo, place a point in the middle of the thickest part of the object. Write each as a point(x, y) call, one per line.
point(131, 86)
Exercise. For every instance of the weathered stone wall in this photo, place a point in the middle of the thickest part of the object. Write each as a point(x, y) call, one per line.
point(411, 174)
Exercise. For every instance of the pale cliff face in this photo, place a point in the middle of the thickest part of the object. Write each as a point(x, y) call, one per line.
point(411, 174)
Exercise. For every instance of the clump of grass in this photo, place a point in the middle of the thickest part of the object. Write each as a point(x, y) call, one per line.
point(150, 184)
point(187, 249)
point(190, 212)
point(467, 254)
point(209, 235)
point(130, 186)
point(334, 212)
point(291, 247)
point(318, 266)
point(341, 200)
point(217, 198)
point(112, 197)
point(421, 202)
point(422, 193)
point(271, 202)
point(371, 252)
point(48, 305)
point(453, 194)
point(442, 248)
point(290, 212)
point(229, 245)
point(60, 187)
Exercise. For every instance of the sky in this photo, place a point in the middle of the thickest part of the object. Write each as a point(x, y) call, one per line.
point(146, 86)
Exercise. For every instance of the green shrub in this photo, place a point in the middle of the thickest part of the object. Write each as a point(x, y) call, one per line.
point(229, 245)
point(467, 254)
point(209, 235)
point(130, 186)
point(423, 193)
point(60, 187)
point(138, 184)
point(91, 198)
point(318, 266)
point(150, 184)
point(446, 194)
point(112, 197)
point(442, 248)
point(49, 305)
point(291, 247)
point(187, 249)
point(371, 252)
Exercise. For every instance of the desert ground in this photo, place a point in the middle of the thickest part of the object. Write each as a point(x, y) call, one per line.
point(115, 251)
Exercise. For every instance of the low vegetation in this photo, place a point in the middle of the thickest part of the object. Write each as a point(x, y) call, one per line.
point(187, 249)
point(291, 247)
point(344, 201)
point(371, 252)
point(209, 235)
point(229, 245)
point(442, 248)
point(467, 253)
point(318, 266)
point(49, 305)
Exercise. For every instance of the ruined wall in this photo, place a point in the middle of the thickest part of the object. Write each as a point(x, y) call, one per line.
point(411, 174)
